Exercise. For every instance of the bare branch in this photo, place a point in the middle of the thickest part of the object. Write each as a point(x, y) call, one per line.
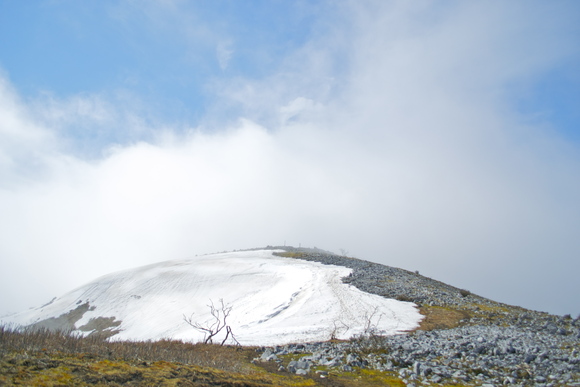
point(371, 327)
point(212, 328)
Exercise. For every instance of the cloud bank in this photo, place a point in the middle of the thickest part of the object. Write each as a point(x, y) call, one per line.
point(395, 135)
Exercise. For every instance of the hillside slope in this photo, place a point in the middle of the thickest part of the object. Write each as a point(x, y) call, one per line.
point(273, 300)
point(462, 340)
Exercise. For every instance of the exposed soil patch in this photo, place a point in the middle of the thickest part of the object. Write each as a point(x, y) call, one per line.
point(64, 322)
point(102, 326)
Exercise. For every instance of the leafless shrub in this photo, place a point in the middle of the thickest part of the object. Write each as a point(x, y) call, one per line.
point(370, 339)
point(372, 321)
point(215, 325)
point(338, 327)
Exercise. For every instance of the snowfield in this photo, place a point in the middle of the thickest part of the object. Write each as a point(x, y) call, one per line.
point(274, 301)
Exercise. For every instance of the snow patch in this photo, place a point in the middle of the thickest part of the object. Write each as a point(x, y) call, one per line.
point(274, 301)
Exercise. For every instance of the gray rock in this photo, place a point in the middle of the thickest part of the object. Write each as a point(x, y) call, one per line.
point(417, 368)
point(267, 353)
point(302, 365)
point(332, 363)
point(530, 358)
point(352, 358)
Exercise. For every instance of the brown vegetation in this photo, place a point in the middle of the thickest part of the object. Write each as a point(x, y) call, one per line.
point(37, 369)
point(437, 317)
point(50, 342)
point(47, 358)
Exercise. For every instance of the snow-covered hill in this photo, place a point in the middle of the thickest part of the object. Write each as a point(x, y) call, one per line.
point(274, 301)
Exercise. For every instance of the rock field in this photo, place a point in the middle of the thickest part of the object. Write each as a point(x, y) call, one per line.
point(490, 344)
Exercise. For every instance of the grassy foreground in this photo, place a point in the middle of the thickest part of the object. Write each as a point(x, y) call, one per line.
point(42, 357)
point(45, 358)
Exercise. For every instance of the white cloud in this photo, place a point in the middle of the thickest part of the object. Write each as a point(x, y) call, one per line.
point(411, 155)
point(224, 54)
point(74, 110)
point(24, 144)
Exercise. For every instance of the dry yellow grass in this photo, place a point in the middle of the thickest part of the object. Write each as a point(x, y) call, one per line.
point(437, 317)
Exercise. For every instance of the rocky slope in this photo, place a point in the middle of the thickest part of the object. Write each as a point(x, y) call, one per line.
point(465, 339)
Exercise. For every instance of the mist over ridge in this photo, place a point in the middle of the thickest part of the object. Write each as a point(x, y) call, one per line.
point(423, 136)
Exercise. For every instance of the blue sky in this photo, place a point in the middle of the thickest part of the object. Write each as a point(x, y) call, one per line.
point(168, 53)
point(435, 137)
point(165, 54)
